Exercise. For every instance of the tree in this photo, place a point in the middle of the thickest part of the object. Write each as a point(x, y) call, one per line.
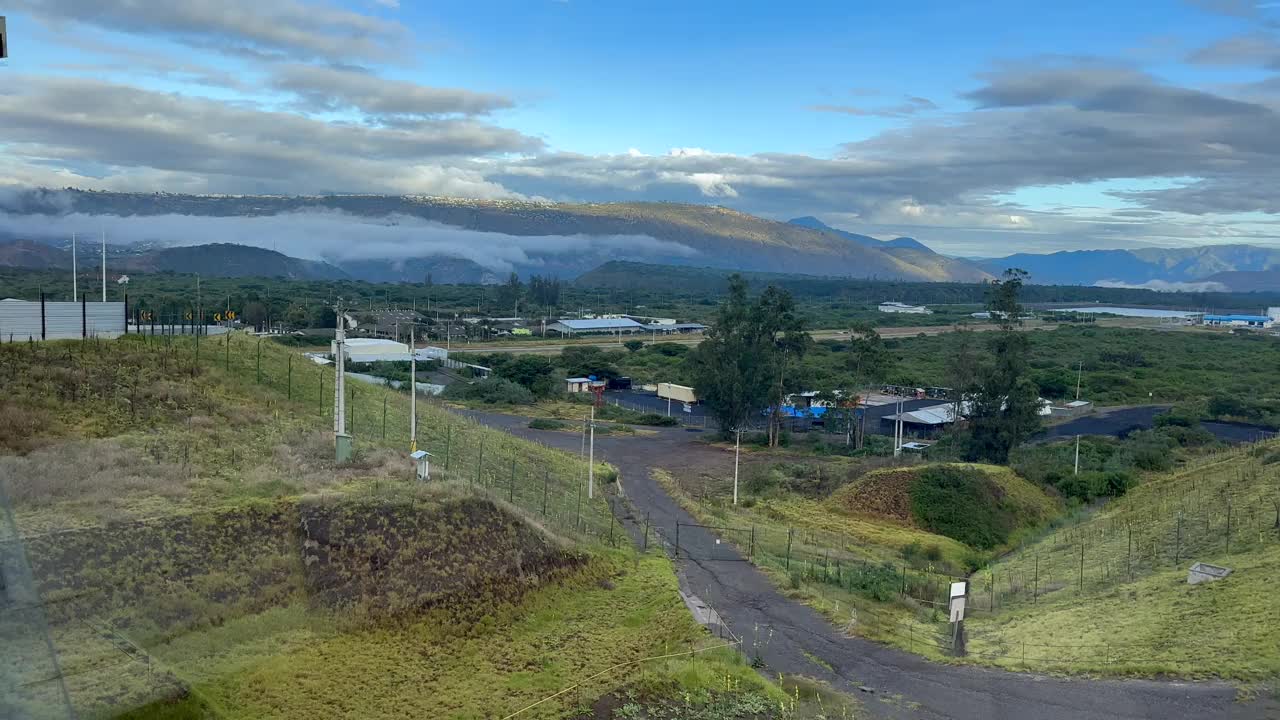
point(532, 371)
point(544, 291)
point(587, 360)
point(740, 367)
point(776, 313)
point(254, 314)
point(633, 345)
point(1005, 407)
point(510, 293)
point(868, 361)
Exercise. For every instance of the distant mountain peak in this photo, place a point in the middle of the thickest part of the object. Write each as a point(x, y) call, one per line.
point(814, 223)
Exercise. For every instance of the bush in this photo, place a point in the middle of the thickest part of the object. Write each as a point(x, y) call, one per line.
point(656, 420)
point(546, 424)
point(963, 504)
point(491, 391)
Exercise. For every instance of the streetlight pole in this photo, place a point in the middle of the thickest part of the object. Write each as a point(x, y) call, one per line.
point(339, 397)
point(591, 455)
point(413, 394)
point(737, 450)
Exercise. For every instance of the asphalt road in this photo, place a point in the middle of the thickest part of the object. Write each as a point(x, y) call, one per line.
point(1120, 421)
point(891, 683)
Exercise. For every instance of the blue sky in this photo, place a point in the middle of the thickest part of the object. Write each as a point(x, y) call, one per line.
point(978, 128)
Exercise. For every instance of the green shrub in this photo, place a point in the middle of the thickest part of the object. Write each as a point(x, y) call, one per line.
point(491, 391)
point(546, 424)
point(656, 420)
point(963, 504)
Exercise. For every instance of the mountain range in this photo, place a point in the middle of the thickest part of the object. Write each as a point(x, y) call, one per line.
point(383, 238)
point(1240, 268)
point(465, 240)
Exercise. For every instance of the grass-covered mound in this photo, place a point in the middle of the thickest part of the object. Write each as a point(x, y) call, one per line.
point(343, 564)
point(981, 506)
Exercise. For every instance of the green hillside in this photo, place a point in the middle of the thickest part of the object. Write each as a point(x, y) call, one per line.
point(1110, 593)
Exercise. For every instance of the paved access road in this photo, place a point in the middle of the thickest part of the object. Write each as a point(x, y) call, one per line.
point(892, 684)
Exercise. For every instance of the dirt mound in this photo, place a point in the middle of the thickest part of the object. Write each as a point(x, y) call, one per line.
point(882, 493)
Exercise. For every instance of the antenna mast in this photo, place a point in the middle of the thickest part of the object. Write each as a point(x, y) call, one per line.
point(75, 293)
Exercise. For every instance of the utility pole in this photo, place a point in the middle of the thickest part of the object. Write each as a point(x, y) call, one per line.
point(75, 296)
point(1079, 373)
point(1077, 471)
point(413, 394)
point(339, 397)
point(737, 449)
point(104, 266)
point(591, 455)
point(897, 430)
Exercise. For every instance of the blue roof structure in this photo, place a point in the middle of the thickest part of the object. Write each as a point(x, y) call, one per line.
point(1237, 318)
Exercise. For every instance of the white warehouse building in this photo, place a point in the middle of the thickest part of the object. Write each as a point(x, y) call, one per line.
point(898, 307)
point(366, 350)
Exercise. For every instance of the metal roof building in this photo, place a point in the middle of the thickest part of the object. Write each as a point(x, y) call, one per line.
point(598, 325)
point(1258, 321)
point(363, 350)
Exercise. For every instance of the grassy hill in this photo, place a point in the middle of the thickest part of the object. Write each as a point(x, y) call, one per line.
point(196, 552)
point(1000, 506)
point(1110, 594)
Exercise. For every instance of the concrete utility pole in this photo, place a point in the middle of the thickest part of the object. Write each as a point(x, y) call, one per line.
point(897, 430)
point(413, 394)
point(591, 455)
point(75, 296)
point(737, 449)
point(339, 397)
point(104, 266)
point(1077, 472)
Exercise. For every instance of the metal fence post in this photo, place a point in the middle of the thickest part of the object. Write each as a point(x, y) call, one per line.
point(677, 539)
point(790, 535)
point(511, 492)
point(289, 381)
point(259, 371)
point(546, 479)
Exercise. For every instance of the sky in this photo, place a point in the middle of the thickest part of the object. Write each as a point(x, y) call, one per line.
point(983, 129)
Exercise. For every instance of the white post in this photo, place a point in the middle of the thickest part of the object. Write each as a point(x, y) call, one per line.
point(75, 294)
point(104, 266)
point(668, 406)
point(1077, 472)
point(737, 449)
point(339, 397)
point(591, 456)
point(413, 394)
point(1079, 372)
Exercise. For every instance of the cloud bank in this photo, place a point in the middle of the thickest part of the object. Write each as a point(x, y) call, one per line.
point(339, 237)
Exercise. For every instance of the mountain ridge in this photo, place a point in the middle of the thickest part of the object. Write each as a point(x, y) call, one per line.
point(708, 234)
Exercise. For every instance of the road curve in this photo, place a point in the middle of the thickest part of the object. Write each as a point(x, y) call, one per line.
point(892, 683)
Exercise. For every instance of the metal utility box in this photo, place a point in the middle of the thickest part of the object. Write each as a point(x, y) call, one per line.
point(1204, 572)
point(422, 458)
point(342, 447)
